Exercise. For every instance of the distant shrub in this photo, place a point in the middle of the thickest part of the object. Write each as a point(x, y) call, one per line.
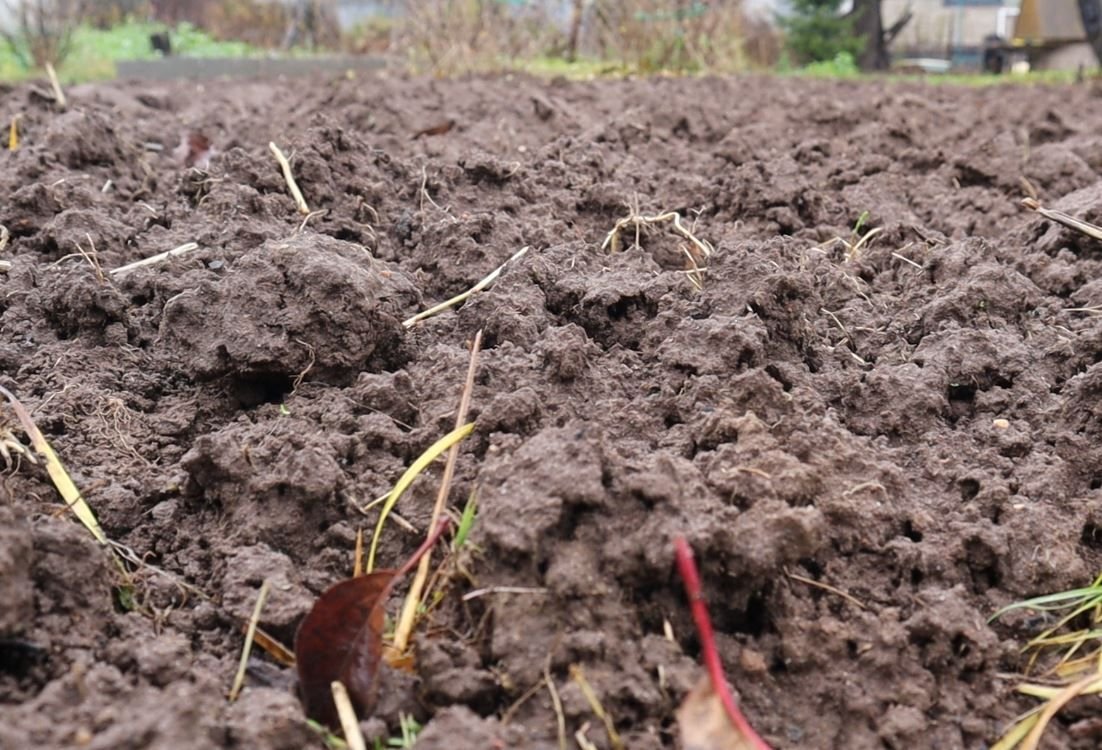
point(458, 36)
point(40, 31)
point(842, 65)
point(815, 32)
point(103, 14)
point(654, 35)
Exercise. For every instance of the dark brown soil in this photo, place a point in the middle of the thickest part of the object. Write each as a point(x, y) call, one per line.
point(807, 413)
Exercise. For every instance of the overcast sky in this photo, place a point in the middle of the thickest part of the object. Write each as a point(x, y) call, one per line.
point(766, 7)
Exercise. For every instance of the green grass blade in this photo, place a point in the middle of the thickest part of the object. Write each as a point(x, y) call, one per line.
point(466, 521)
point(422, 463)
point(1055, 602)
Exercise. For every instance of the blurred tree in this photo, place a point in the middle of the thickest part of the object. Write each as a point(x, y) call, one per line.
point(40, 31)
point(868, 25)
point(816, 31)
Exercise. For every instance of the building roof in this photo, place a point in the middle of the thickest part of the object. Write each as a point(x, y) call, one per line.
point(1047, 21)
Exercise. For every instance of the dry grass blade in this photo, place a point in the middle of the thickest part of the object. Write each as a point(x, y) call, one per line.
point(556, 703)
point(273, 648)
point(457, 299)
point(55, 84)
point(175, 252)
point(578, 676)
point(13, 134)
point(478, 593)
point(1091, 230)
point(250, 634)
point(61, 479)
point(404, 629)
point(349, 723)
point(5, 236)
point(289, 178)
point(1033, 740)
point(358, 555)
point(1071, 659)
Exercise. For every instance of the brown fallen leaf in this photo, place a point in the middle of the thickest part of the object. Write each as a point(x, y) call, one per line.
point(438, 129)
point(341, 640)
point(194, 150)
point(704, 724)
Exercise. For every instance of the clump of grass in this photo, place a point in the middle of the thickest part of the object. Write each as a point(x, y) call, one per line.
point(408, 729)
point(856, 241)
point(1065, 659)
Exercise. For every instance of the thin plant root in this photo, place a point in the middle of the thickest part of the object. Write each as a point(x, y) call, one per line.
point(117, 419)
point(1069, 221)
point(582, 739)
point(853, 247)
point(638, 221)
point(696, 251)
point(826, 587)
point(289, 177)
point(5, 236)
point(92, 257)
point(556, 703)
point(10, 444)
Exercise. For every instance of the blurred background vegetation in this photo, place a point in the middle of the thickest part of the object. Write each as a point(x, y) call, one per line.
point(85, 38)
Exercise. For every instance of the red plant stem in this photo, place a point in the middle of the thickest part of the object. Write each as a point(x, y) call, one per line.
point(430, 540)
point(687, 567)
